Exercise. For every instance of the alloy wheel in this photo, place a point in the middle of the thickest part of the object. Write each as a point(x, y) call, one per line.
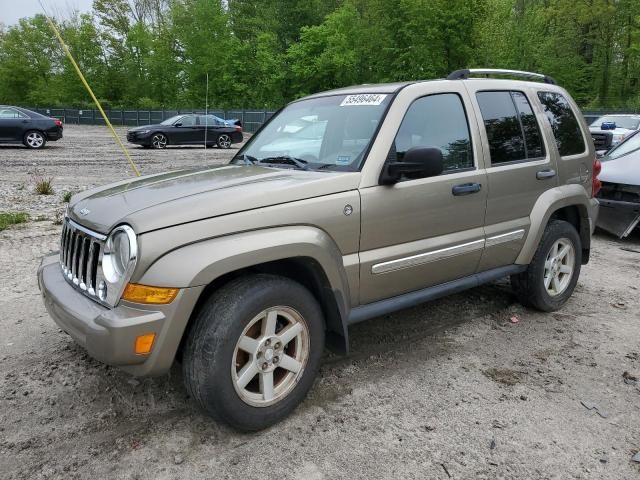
point(35, 140)
point(559, 266)
point(159, 141)
point(270, 356)
point(224, 141)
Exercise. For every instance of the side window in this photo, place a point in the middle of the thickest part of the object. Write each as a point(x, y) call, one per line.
point(532, 136)
point(564, 124)
point(437, 121)
point(188, 120)
point(10, 113)
point(512, 128)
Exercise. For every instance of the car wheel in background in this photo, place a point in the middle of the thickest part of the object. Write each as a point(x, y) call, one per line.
point(254, 350)
point(553, 273)
point(34, 139)
point(224, 141)
point(159, 140)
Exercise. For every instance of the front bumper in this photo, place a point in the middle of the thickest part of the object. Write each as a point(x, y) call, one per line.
point(139, 138)
point(109, 335)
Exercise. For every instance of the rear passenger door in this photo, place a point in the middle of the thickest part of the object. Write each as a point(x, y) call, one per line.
point(520, 166)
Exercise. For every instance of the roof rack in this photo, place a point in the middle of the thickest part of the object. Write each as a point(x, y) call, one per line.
point(465, 73)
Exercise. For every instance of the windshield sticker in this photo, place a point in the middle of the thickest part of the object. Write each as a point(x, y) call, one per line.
point(343, 160)
point(363, 99)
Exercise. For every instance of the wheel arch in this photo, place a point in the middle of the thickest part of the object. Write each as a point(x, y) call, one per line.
point(309, 257)
point(569, 203)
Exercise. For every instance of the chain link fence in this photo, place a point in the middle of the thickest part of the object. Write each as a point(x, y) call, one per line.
point(251, 119)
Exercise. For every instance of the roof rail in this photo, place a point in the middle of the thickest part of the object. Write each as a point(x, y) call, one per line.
point(465, 73)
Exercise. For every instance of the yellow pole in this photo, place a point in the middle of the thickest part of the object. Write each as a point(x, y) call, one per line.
point(84, 82)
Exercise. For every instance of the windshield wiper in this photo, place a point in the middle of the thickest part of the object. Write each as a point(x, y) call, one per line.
point(298, 162)
point(248, 159)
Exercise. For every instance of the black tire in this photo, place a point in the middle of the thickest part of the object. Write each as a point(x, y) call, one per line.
point(529, 286)
point(224, 141)
point(34, 139)
point(210, 348)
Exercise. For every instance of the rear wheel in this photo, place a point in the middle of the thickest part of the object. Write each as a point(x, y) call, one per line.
point(553, 273)
point(159, 140)
point(224, 141)
point(34, 139)
point(254, 350)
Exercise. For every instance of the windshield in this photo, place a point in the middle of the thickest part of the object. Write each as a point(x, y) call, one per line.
point(630, 123)
point(632, 144)
point(330, 132)
point(172, 120)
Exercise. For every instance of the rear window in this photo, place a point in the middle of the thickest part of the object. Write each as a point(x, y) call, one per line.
point(564, 124)
point(512, 128)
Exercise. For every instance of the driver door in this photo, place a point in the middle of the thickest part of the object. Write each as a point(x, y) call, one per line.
point(427, 231)
point(185, 130)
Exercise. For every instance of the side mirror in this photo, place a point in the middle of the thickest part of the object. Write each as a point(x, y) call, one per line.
point(179, 124)
point(418, 162)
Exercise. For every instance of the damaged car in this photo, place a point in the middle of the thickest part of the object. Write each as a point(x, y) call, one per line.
point(620, 194)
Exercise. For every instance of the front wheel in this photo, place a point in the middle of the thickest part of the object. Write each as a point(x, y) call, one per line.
point(254, 350)
point(159, 140)
point(34, 139)
point(224, 141)
point(553, 273)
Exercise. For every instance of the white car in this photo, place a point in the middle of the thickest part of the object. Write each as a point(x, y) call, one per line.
point(609, 130)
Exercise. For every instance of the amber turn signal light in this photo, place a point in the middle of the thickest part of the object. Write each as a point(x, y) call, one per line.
point(144, 343)
point(151, 295)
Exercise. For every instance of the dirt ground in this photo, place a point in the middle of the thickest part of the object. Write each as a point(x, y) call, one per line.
point(472, 386)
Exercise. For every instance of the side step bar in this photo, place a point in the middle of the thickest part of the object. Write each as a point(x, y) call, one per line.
point(411, 299)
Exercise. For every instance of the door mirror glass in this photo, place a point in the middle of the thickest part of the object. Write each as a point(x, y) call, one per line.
point(179, 124)
point(418, 162)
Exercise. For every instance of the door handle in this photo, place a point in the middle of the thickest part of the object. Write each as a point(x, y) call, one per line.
point(466, 189)
point(544, 174)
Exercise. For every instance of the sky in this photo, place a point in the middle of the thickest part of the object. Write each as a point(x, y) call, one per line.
point(12, 10)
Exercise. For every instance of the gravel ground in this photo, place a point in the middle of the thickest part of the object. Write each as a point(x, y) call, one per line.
point(471, 386)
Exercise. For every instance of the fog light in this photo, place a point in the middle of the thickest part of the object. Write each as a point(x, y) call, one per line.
point(102, 291)
point(144, 343)
point(150, 295)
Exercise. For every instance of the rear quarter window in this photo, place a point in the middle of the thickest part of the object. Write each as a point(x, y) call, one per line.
point(564, 123)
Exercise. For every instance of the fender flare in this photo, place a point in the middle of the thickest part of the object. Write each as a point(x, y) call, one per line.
point(199, 264)
point(547, 204)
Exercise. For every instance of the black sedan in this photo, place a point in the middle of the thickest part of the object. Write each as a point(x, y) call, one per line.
point(19, 125)
point(190, 129)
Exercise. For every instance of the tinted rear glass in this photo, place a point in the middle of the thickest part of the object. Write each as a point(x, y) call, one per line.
point(506, 142)
point(564, 124)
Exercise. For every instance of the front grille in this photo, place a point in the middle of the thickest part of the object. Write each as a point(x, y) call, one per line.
point(602, 141)
point(80, 253)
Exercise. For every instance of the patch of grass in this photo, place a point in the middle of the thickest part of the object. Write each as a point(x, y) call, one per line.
point(44, 185)
point(8, 219)
point(66, 197)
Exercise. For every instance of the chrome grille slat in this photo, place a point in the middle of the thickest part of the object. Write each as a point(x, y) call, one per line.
point(90, 281)
point(80, 251)
point(81, 264)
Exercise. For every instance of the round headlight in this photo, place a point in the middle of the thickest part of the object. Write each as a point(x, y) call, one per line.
point(119, 253)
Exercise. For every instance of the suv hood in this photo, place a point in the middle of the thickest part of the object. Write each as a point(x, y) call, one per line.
point(167, 199)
